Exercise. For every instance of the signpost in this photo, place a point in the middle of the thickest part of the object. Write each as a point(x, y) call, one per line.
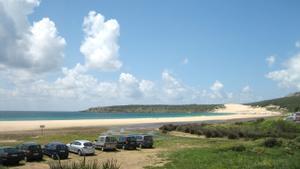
point(42, 129)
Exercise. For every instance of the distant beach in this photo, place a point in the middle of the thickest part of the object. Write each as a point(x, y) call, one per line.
point(240, 112)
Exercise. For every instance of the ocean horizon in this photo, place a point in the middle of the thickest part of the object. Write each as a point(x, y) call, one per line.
point(78, 115)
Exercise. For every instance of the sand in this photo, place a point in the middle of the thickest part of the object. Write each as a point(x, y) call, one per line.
point(241, 112)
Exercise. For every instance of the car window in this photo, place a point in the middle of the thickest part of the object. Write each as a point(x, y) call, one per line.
point(88, 144)
point(61, 147)
point(102, 139)
point(110, 139)
point(149, 138)
point(77, 143)
point(131, 139)
point(34, 147)
point(10, 150)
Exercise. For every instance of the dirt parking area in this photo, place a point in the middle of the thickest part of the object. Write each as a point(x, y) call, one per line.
point(127, 159)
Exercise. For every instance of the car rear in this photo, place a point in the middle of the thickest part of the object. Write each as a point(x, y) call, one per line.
point(110, 143)
point(147, 142)
point(130, 143)
point(34, 152)
point(62, 151)
point(88, 148)
point(12, 155)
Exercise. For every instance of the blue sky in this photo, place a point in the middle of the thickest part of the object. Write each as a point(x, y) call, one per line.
point(173, 52)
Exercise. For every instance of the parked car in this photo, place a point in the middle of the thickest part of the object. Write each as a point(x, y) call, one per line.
point(81, 147)
point(144, 141)
point(32, 151)
point(126, 142)
point(10, 155)
point(106, 143)
point(56, 150)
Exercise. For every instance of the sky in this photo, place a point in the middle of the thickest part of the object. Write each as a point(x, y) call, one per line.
point(64, 56)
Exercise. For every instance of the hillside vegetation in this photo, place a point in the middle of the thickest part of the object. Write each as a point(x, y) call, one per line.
point(156, 108)
point(290, 103)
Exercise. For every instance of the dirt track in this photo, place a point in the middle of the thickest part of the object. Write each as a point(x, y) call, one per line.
point(134, 159)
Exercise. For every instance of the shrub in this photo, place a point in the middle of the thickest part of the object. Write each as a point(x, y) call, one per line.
point(297, 139)
point(238, 148)
point(168, 127)
point(232, 136)
point(272, 142)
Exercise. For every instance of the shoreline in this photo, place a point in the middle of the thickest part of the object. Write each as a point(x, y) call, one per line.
point(241, 112)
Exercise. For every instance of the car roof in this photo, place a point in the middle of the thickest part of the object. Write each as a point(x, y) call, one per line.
point(30, 143)
point(82, 141)
point(57, 143)
point(6, 147)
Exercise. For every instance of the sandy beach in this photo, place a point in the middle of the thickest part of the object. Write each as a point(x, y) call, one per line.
point(241, 112)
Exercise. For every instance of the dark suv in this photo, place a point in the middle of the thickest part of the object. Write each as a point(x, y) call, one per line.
point(10, 155)
point(56, 150)
point(144, 141)
point(32, 151)
point(127, 142)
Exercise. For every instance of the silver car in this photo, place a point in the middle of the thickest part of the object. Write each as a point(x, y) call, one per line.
point(106, 143)
point(81, 147)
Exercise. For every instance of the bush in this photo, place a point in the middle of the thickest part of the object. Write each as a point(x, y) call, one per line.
point(297, 139)
point(272, 142)
point(232, 136)
point(168, 127)
point(238, 148)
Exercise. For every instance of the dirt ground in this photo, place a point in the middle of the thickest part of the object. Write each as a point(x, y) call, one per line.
point(127, 159)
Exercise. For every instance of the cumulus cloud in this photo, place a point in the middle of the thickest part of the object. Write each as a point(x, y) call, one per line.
point(39, 47)
point(270, 60)
point(246, 89)
point(216, 88)
point(100, 46)
point(289, 76)
point(172, 88)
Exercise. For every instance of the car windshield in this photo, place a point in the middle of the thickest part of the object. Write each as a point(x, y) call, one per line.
point(131, 139)
point(88, 144)
point(110, 139)
point(10, 150)
point(61, 147)
point(148, 138)
point(34, 147)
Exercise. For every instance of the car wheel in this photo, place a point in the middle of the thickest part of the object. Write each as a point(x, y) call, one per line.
point(124, 147)
point(80, 153)
point(53, 156)
point(140, 146)
point(25, 159)
point(102, 148)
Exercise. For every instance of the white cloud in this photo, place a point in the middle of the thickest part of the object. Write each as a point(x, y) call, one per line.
point(216, 86)
point(33, 48)
point(289, 76)
point(297, 44)
point(185, 61)
point(270, 60)
point(172, 88)
point(246, 89)
point(100, 46)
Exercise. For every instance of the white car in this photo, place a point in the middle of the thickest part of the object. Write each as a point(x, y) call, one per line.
point(81, 147)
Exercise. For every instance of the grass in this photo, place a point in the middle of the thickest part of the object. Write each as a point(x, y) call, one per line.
point(109, 164)
point(221, 152)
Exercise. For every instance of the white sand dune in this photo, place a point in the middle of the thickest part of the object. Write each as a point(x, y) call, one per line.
point(241, 112)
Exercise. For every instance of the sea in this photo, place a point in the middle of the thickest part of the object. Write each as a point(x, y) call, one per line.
point(76, 115)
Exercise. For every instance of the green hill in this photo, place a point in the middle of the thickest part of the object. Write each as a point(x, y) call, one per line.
point(156, 108)
point(290, 102)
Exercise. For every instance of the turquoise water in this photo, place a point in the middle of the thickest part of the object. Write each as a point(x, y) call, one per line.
point(50, 115)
